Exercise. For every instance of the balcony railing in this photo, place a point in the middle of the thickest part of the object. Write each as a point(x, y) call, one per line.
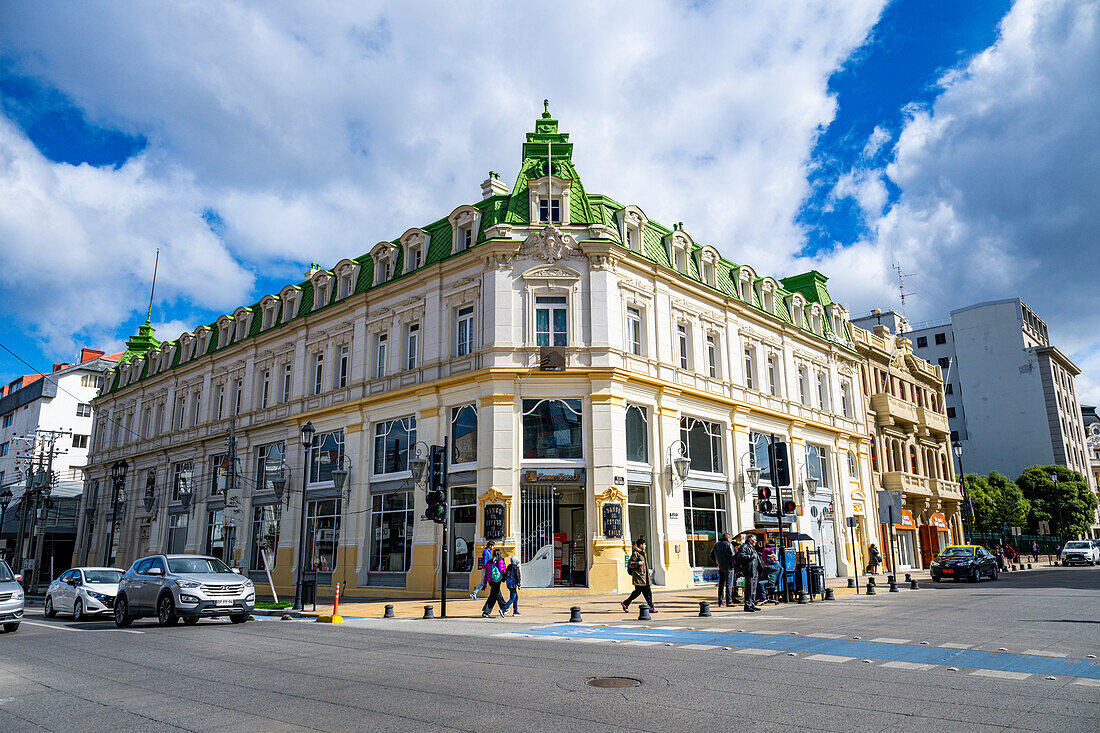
point(890, 410)
point(906, 482)
point(933, 421)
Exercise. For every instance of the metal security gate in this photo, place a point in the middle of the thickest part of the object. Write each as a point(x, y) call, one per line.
point(536, 505)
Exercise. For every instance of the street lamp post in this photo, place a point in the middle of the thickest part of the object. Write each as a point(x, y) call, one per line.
point(968, 515)
point(118, 483)
point(307, 443)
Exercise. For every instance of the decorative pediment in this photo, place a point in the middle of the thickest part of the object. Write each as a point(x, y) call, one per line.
point(551, 244)
point(492, 496)
point(613, 495)
point(551, 273)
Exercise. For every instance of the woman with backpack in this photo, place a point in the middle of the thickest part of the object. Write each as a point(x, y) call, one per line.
point(638, 566)
point(494, 573)
point(512, 581)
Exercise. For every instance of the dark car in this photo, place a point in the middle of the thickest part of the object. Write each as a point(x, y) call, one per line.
point(969, 562)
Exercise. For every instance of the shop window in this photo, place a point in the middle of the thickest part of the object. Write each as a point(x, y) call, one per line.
point(552, 429)
point(392, 440)
point(182, 475)
point(391, 521)
point(219, 536)
point(322, 534)
point(219, 474)
point(265, 537)
point(639, 511)
point(464, 434)
point(177, 533)
point(817, 465)
point(269, 461)
point(463, 506)
point(324, 456)
point(705, 521)
point(758, 457)
point(637, 434)
point(704, 444)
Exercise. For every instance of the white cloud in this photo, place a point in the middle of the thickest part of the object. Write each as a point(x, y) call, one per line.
point(999, 181)
point(315, 131)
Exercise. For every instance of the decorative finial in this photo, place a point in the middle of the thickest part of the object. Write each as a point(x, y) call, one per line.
point(546, 109)
point(152, 289)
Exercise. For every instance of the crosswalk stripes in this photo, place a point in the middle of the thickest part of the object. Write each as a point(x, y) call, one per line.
point(757, 652)
point(955, 646)
point(908, 665)
point(1042, 653)
point(889, 640)
point(828, 658)
point(1000, 673)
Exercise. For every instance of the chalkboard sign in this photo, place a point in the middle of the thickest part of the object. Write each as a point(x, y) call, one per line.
point(494, 521)
point(613, 521)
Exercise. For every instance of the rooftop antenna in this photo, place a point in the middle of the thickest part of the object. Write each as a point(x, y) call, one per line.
point(149, 316)
point(901, 285)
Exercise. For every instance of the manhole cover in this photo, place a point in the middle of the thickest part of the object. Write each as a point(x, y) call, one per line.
point(613, 682)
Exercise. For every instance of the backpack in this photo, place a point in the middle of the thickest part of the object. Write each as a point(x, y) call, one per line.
point(494, 573)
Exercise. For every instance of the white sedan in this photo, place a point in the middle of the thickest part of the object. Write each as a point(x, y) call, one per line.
point(83, 592)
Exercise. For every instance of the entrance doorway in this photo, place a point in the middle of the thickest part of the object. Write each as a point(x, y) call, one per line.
point(553, 535)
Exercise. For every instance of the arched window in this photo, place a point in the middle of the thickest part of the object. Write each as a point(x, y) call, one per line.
point(874, 457)
point(853, 469)
point(943, 467)
point(913, 460)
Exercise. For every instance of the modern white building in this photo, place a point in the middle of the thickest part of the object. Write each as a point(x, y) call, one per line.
point(567, 346)
point(39, 412)
point(1010, 394)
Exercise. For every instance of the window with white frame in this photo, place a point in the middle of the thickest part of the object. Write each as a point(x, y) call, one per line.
point(746, 289)
point(704, 444)
point(773, 375)
point(853, 468)
point(219, 402)
point(383, 263)
point(817, 465)
point(269, 464)
point(769, 300)
point(634, 330)
point(550, 210)
point(265, 388)
point(712, 355)
point(684, 342)
point(803, 386)
point(464, 330)
point(318, 372)
point(708, 272)
point(414, 257)
point(381, 343)
point(412, 345)
point(325, 455)
point(633, 239)
point(551, 320)
point(392, 442)
point(846, 398)
point(82, 410)
point(391, 533)
point(287, 382)
point(464, 238)
point(464, 434)
point(321, 291)
point(238, 395)
point(242, 325)
point(80, 441)
point(750, 367)
point(637, 434)
point(822, 390)
point(343, 365)
point(347, 282)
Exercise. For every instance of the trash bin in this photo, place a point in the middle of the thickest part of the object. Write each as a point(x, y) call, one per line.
point(309, 591)
point(816, 580)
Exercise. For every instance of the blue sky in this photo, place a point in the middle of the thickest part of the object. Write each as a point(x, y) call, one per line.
point(246, 140)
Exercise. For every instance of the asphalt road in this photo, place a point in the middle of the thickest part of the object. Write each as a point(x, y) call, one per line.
point(857, 664)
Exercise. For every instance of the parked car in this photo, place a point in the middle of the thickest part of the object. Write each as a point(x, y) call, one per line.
point(172, 587)
point(11, 598)
point(1080, 551)
point(960, 562)
point(83, 592)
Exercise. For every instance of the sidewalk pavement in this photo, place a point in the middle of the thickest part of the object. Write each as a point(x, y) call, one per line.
point(594, 609)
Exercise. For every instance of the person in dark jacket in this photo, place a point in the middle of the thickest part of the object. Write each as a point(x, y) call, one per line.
point(513, 581)
point(497, 564)
point(875, 561)
point(748, 566)
point(722, 555)
point(638, 565)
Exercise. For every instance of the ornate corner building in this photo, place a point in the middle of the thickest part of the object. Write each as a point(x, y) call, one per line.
point(910, 446)
point(567, 346)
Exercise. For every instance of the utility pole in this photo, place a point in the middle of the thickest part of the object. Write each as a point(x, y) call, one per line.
point(43, 495)
point(232, 503)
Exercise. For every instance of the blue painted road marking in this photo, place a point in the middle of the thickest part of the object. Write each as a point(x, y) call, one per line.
point(842, 647)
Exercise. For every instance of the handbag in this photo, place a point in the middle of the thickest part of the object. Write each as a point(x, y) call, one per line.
point(740, 581)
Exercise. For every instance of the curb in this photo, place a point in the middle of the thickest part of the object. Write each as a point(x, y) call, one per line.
point(277, 613)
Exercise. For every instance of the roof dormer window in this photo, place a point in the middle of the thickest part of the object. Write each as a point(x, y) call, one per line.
point(383, 256)
point(243, 319)
point(322, 288)
point(550, 210)
point(415, 244)
point(633, 222)
point(465, 221)
point(678, 246)
point(290, 295)
point(347, 272)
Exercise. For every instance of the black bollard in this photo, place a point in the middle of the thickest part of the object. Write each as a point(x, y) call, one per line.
point(871, 587)
point(829, 591)
point(643, 613)
point(704, 608)
point(851, 582)
point(908, 578)
point(389, 611)
point(913, 584)
point(429, 611)
point(575, 615)
point(893, 585)
point(1029, 566)
point(803, 597)
point(872, 580)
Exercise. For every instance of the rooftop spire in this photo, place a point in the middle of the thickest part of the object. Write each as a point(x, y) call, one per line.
point(142, 341)
point(546, 109)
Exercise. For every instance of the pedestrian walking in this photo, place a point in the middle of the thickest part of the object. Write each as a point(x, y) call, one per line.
point(513, 582)
point(748, 566)
point(486, 556)
point(736, 576)
point(495, 575)
point(1000, 554)
point(875, 560)
point(1010, 554)
point(638, 565)
point(1035, 552)
point(722, 555)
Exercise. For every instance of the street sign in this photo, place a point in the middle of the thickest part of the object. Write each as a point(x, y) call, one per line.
point(888, 500)
point(851, 521)
point(1044, 526)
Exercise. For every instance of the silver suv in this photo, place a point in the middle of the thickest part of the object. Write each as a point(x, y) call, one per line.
point(11, 598)
point(182, 586)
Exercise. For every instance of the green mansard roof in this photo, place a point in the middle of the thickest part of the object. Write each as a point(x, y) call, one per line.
point(545, 145)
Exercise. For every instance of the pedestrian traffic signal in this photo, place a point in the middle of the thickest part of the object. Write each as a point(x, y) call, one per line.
point(763, 500)
point(437, 507)
point(438, 467)
point(789, 506)
point(779, 463)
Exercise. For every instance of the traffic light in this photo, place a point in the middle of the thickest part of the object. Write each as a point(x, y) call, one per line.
point(437, 507)
point(763, 500)
point(438, 467)
point(789, 506)
point(780, 464)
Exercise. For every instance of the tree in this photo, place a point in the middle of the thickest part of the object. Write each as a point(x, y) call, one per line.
point(1077, 502)
point(997, 502)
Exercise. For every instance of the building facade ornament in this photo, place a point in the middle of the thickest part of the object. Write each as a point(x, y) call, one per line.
point(551, 244)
